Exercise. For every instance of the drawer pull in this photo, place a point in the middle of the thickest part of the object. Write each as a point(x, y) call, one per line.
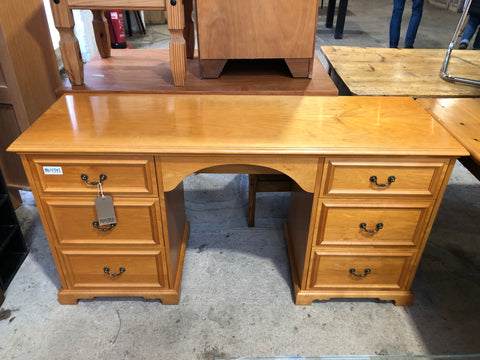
point(379, 226)
point(366, 272)
point(390, 180)
point(106, 270)
point(173, 2)
point(84, 177)
point(97, 226)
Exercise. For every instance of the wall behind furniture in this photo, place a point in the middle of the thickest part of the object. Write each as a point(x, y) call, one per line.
point(28, 79)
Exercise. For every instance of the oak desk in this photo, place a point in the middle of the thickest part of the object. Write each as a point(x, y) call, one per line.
point(368, 187)
point(400, 72)
point(461, 117)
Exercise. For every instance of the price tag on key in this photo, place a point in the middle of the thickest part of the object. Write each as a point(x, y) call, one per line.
point(105, 209)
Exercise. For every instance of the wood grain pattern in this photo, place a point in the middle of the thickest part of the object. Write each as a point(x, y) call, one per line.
point(402, 72)
point(28, 80)
point(138, 221)
point(125, 176)
point(143, 269)
point(402, 222)
point(117, 4)
point(461, 117)
point(206, 124)
point(300, 67)
point(389, 270)
point(189, 30)
point(249, 29)
point(301, 169)
point(148, 71)
point(304, 138)
point(178, 45)
point(350, 177)
point(102, 33)
point(69, 46)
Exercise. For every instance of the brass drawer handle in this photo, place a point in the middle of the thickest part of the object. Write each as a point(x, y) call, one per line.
point(366, 272)
point(84, 177)
point(391, 179)
point(379, 226)
point(96, 225)
point(106, 270)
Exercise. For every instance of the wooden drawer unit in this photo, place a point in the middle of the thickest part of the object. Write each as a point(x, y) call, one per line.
point(72, 221)
point(114, 269)
point(372, 223)
point(124, 176)
point(382, 177)
point(366, 270)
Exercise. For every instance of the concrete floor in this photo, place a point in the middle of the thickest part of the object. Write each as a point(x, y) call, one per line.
point(236, 292)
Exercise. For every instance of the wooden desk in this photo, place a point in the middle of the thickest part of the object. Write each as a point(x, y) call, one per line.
point(180, 25)
point(366, 195)
point(461, 117)
point(400, 72)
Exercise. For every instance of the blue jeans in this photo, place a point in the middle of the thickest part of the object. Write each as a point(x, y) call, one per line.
point(470, 28)
point(396, 22)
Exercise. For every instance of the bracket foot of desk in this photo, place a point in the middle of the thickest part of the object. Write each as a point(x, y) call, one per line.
point(71, 297)
point(400, 298)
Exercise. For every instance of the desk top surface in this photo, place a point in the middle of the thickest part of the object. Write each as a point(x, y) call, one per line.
point(236, 124)
point(403, 72)
point(461, 117)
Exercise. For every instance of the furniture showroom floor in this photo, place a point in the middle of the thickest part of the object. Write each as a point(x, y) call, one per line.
point(237, 293)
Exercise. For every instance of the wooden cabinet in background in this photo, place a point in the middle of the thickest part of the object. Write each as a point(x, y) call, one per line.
point(28, 79)
point(250, 29)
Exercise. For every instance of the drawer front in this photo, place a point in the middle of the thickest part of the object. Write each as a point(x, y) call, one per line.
point(372, 223)
point(132, 175)
point(382, 178)
point(71, 219)
point(387, 271)
point(115, 269)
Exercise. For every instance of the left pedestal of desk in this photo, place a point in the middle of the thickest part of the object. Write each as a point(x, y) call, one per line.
point(131, 257)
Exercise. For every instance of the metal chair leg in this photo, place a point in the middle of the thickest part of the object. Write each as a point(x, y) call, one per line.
point(458, 30)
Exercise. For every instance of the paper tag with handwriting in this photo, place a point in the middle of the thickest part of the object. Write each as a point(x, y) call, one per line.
point(105, 210)
point(52, 170)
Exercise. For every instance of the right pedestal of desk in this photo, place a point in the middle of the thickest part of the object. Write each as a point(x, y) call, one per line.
point(368, 227)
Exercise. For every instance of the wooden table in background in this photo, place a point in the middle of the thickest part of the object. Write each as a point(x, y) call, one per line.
point(400, 72)
point(147, 71)
point(180, 25)
point(461, 117)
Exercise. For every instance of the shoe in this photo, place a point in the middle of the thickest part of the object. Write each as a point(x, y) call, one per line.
point(462, 46)
point(408, 46)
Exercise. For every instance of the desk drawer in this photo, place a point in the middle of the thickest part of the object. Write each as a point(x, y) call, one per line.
point(356, 271)
point(372, 222)
point(132, 175)
point(115, 269)
point(382, 177)
point(138, 221)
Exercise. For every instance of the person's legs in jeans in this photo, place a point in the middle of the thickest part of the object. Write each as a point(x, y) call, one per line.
point(470, 28)
point(417, 11)
point(476, 43)
point(396, 22)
